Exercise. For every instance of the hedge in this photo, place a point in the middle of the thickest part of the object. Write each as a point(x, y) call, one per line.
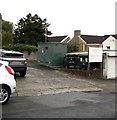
point(21, 48)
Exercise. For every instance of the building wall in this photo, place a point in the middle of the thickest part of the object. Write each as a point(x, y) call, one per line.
point(32, 56)
point(111, 72)
point(51, 54)
point(82, 45)
point(110, 44)
point(76, 40)
point(109, 66)
point(91, 45)
point(65, 40)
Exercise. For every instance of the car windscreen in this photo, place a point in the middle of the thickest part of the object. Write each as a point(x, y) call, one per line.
point(12, 55)
point(71, 57)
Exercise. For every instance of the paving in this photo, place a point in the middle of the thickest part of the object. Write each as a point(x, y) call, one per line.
point(42, 81)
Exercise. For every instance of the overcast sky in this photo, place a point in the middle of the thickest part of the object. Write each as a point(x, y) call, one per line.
point(92, 17)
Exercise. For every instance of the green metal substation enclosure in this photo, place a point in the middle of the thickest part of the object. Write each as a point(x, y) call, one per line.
point(51, 54)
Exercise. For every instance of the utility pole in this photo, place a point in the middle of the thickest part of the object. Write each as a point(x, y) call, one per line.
point(45, 28)
point(45, 33)
point(0, 30)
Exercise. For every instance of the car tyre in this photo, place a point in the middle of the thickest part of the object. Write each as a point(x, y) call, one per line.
point(67, 66)
point(4, 94)
point(23, 73)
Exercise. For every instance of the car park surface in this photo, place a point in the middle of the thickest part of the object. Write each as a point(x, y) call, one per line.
point(63, 105)
point(41, 80)
point(48, 81)
point(49, 93)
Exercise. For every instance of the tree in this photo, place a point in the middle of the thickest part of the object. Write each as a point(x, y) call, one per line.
point(7, 32)
point(31, 30)
point(72, 48)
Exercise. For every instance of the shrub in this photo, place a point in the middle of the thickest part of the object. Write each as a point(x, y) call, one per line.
point(21, 48)
point(72, 48)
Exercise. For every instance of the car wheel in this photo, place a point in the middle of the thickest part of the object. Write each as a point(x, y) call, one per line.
point(23, 73)
point(4, 94)
point(67, 66)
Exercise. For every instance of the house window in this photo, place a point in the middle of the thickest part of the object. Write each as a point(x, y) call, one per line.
point(108, 47)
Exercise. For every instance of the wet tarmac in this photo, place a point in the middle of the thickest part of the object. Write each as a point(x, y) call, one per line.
point(50, 93)
point(43, 80)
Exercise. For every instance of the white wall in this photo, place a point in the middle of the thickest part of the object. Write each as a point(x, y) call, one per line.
point(110, 41)
point(110, 67)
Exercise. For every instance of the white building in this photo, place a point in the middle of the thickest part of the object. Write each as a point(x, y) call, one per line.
point(110, 57)
point(110, 65)
point(110, 43)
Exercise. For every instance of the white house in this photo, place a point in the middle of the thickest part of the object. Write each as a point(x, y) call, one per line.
point(110, 57)
point(110, 43)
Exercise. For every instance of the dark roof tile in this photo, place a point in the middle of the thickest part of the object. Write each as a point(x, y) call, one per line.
point(106, 36)
point(56, 38)
point(91, 39)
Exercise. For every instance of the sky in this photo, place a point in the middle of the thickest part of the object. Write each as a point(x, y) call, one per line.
point(92, 17)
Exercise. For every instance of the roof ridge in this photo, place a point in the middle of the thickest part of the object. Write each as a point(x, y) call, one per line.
point(93, 35)
point(58, 36)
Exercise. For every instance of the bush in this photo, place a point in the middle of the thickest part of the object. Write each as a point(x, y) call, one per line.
point(21, 48)
point(72, 48)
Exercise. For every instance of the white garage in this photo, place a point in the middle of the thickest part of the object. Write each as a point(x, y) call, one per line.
point(110, 64)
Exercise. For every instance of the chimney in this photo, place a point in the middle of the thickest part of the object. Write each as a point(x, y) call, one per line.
point(77, 33)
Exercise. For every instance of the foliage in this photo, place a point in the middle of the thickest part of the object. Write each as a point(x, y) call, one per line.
point(7, 28)
point(21, 47)
point(31, 30)
point(72, 48)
